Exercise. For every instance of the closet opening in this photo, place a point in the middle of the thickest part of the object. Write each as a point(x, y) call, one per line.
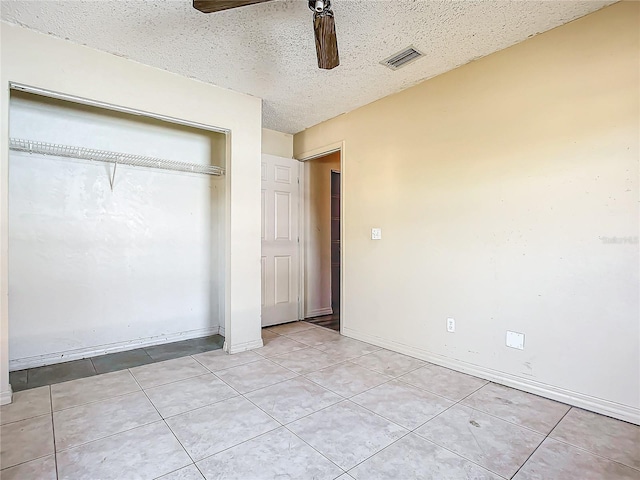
point(116, 237)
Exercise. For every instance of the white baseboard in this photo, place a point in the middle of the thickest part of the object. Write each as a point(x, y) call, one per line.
point(243, 347)
point(52, 358)
point(319, 312)
point(6, 397)
point(577, 399)
point(221, 330)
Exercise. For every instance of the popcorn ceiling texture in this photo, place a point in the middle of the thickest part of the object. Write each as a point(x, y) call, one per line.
point(268, 50)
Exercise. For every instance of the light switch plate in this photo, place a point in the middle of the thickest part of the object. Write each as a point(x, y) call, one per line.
point(376, 234)
point(515, 340)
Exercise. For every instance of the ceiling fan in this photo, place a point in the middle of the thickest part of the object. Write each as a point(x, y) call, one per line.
point(324, 25)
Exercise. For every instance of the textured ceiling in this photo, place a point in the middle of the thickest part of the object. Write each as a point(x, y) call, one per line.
point(268, 50)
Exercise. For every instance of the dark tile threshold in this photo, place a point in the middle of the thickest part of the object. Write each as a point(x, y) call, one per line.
point(112, 362)
point(326, 321)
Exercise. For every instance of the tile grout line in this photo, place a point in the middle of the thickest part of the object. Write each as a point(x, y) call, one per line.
point(93, 365)
point(53, 432)
point(343, 399)
point(168, 417)
point(256, 389)
point(235, 445)
point(176, 470)
point(493, 416)
point(390, 379)
point(548, 436)
point(315, 450)
point(589, 451)
point(351, 396)
point(2, 469)
point(351, 360)
point(379, 451)
point(414, 431)
point(196, 465)
point(107, 436)
point(293, 433)
point(94, 401)
point(173, 381)
point(543, 440)
point(242, 365)
point(116, 433)
point(145, 424)
point(481, 411)
point(234, 366)
point(166, 424)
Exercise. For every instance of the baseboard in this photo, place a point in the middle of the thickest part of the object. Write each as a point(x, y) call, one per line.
point(221, 330)
point(6, 397)
point(319, 312)
point(243, 347)
point(576, 399)
point(52, 358)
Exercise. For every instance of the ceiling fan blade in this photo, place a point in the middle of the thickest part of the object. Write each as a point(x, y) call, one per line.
point(324, 26)
point(212, 6)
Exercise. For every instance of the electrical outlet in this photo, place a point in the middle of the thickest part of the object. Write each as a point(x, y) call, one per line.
point(515, 340)
point(376, 234)
point(451, 325)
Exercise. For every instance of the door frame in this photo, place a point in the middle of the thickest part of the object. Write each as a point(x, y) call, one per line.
point(305, 157)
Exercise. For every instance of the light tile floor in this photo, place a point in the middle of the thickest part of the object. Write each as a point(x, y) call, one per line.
point(309, 405)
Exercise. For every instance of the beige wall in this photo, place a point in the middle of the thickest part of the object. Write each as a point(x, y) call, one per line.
point(497, 187)
point(277, 143)
point(42, 61)
point(317, 279)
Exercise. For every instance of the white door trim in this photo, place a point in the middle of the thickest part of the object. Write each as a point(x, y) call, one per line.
point(302, 229)
point(304, 157)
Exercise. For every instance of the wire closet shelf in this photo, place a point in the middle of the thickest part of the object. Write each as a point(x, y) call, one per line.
point(69, 151)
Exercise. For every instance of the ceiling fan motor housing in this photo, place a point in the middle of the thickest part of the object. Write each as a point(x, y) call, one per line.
point(320, 6)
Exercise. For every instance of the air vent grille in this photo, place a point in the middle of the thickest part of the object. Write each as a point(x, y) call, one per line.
point(401, 59)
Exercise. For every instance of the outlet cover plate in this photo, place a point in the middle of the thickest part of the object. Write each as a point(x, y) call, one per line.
point(515, 340)
point(376, 234)
point(451, 325)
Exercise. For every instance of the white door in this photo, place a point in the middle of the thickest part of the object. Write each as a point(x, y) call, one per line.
point(280, 247)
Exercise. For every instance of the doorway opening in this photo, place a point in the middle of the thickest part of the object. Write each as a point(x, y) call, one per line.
point(323, 243)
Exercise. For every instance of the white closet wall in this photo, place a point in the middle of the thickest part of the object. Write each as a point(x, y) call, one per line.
point(94, 270)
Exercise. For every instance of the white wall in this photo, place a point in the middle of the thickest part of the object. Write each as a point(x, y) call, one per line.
point(317, 271)
point(277, 143)
point(41, 61)
point(94, 270)
point(497, 186)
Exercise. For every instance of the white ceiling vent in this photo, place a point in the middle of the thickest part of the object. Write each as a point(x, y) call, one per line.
point(402, 58)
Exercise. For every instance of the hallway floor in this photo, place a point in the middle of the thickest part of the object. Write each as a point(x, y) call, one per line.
point(327, 321)
point(310, 404)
